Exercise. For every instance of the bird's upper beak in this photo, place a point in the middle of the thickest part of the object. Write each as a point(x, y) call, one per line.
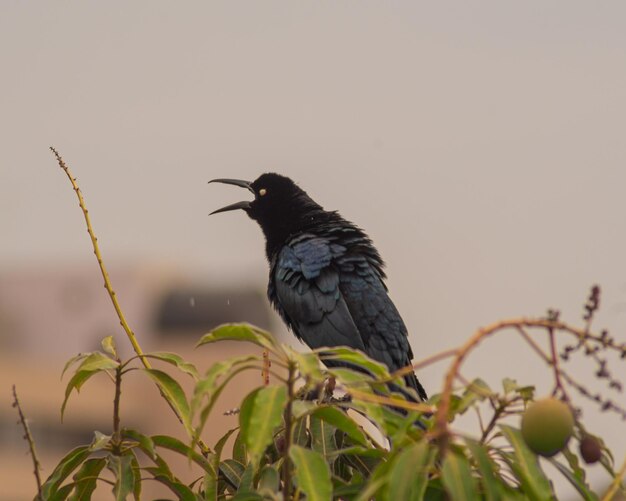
point(239, 205)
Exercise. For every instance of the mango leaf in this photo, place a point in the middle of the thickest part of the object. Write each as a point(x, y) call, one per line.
point(239, 332)
point(100, 441)
point(85, 479)
point(260, 414)
point(240, 452)
point(299, 435)
point(340, 420)
point(212, 385)
point(269, 479)
point(309, 366)
point(526, 467)
point(488, 479)
point(72, 361)
point(247, 478)
point(409, 473)
point(322, 437)
point(67, 465)
point(173, 444)
point(311, 473)
point(108, 345)
point(476, 391)
point(351, 377)
point(233, 471)
point(580, 485)
point(375, 487)
point(174, 394)
point(354, 357)
point(145, 443)
point(78, 379)
point(121, 466)
point(176, 360)
point(457, 477)
point(97, 361)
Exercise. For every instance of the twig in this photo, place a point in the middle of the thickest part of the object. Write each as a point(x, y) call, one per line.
point(265, 372)
point(554, 361)
point(107, 285)
point(96, 250)
point(288, 422)
point(441, 430)
point(31, 443)
point(116, 405)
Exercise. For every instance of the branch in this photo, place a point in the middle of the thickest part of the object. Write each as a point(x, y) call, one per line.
point(31, 443)
point(107, 285)
point(441, 430)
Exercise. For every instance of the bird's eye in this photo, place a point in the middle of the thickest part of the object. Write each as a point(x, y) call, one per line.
point(262, 191)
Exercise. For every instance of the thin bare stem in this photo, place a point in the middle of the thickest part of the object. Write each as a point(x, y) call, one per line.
point(96, 250)
point(288, 423)
point(116, 405)
point(31, 444)
point(441, 430)
point(265, 372)
point(107, 285)
point(554, 361)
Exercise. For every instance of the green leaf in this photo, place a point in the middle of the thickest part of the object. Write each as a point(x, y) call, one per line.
point(212, 385)
point(173, 444)
point(100, 441)
point(309, 366)
point(457, 477)
point(175, 395)
point(240, 453)
point(269, 479)
point(342, 421)
point(97, 361)
point(239, 332)
point(145, 443)
point(67, 465)
point(509, 385)
point(322, 437)
point(299, 434)
point(73, 360)
point(526, 467)
point(488, 478)
point(409, 474)
point(108, 345)
point(77, 381)
point(354, 357)
point(247, 478)
point(311, 473)
point(233, 471)
point(580, 485)
point(176, 360)
point(260, 414)
point(85, 479)
point(476, 391)
point(122, 469)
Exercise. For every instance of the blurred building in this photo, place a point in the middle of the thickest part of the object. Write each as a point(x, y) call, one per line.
point(48, 315)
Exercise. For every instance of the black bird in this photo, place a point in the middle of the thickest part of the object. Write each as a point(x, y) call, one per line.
point(326, 277)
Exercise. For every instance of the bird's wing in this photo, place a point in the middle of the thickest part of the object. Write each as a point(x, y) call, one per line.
point(304, 287)
point(380, 325)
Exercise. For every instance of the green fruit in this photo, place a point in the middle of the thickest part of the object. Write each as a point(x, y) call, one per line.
point(547, 426)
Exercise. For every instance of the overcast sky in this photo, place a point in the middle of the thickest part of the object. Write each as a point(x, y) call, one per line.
point(482, 145)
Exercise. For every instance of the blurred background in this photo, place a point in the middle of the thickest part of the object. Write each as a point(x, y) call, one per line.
point(481, 145)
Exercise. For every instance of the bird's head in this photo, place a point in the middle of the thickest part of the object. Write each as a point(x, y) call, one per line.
point(280, 206)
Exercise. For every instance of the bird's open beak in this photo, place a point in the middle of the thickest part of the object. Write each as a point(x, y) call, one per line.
point(238, 205)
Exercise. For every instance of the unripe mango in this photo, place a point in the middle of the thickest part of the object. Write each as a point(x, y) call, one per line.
point(547, 426)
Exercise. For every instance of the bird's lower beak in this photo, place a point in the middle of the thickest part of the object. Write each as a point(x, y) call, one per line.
point(239, 205)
